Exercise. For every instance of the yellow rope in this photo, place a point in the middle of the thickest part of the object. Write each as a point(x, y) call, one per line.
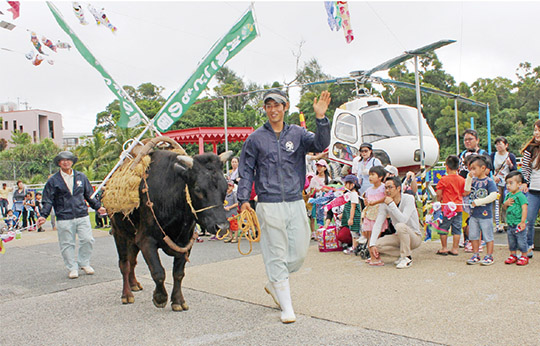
point(248, 227)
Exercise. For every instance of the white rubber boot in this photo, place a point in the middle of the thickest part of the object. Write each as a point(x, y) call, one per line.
point(269, 288)
point(283, 293)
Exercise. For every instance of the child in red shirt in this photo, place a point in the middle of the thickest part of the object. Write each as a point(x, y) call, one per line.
point(450, 190)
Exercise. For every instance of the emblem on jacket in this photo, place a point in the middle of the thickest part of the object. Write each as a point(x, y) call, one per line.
point(79, 183)
point(289, 146)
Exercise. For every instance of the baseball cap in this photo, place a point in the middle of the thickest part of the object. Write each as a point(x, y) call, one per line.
point(322, 162)
point(351, 178)
point(366, 145)
point(276, 95)
point(392, 170)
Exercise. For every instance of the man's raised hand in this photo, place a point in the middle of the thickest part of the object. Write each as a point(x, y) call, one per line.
point(320, 106)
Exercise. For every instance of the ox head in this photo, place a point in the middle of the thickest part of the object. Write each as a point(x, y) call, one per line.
point(207, 187)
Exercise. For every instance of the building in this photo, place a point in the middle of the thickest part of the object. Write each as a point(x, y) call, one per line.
point(39, 124)
point(73, 139)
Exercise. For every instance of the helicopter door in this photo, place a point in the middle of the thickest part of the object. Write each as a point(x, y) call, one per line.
point(344, 143)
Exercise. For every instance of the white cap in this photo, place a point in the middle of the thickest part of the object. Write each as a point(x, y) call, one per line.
point(392, 170)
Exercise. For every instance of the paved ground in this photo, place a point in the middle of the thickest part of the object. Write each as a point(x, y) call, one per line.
point(338, 300)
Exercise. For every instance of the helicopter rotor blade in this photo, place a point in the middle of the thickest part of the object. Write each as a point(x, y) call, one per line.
point(361, 74)
point(430, 91)
point(428, 48)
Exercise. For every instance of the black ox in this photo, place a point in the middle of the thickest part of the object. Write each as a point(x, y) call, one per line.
point(164, 208)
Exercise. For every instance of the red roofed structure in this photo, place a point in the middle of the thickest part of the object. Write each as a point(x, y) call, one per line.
point(213, 135)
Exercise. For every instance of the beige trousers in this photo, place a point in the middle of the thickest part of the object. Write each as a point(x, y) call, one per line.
point(400, 243)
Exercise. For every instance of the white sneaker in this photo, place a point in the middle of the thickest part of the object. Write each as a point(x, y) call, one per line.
point(88, 270)
point(404, 263)
point(396, 262)
point(73, 274)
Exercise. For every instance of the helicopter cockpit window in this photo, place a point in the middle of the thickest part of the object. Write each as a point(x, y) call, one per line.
point(346, 128)
point(390, 122)
point(344, 152)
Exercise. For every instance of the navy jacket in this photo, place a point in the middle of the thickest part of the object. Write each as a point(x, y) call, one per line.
point(278, 167)
point(68, 206)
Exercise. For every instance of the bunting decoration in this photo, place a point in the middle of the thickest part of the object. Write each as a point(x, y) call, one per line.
point(339, 17)
point(7, 25)
point(35, 42)
point(346, 20)
point(130, 113)
point(15, 8)
point(38, 60)
point(63, 45)
point(48, 43)
point(242, 33)
point(101, 18)
point(330, 8)
point(30, 55)
point(7, 237)
point(79, 13)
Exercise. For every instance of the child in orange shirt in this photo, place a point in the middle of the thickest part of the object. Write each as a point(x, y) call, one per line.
point(451, 188)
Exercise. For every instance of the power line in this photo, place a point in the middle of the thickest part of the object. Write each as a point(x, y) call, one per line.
point(387, 27)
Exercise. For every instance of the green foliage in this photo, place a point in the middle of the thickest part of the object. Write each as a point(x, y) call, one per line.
point(20, 138)
point(513, 108)
point(30, 162)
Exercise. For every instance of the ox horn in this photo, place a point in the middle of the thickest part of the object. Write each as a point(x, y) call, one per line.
point(186, 160)
point(224, 157)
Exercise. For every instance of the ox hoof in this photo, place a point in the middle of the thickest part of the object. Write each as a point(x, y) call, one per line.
point(136, 287)
point(128, 300)
point(180, 307)
point(159, 305)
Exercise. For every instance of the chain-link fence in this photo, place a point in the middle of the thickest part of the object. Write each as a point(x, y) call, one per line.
point(27, 171)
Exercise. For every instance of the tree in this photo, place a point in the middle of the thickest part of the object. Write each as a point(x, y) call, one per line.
point(147, 96)
point(20, 138)
point(30, 162)
point(95, 155)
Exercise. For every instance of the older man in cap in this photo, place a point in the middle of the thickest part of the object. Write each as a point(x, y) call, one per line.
point(274, 158)
point(68, 191)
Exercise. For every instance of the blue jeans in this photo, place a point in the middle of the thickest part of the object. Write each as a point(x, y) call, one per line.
point(67, 230)
point(517, 240)
point(484, 226)
point(4, 207)
point(453, 223)
point(533, 197)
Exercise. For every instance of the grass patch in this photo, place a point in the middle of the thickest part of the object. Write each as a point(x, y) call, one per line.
point(92, 215)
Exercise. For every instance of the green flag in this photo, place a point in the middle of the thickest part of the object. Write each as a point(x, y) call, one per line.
point(130, 112)
point(238, 37)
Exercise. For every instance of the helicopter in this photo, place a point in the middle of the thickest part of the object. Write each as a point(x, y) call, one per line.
point(392, 129)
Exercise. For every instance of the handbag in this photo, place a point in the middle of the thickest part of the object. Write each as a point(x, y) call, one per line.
point(327, 238)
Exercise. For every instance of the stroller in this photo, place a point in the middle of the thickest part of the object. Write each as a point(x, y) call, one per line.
point(17, 212)
point(362, 250)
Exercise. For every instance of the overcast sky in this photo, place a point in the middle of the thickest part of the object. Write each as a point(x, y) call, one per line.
point(162, 43)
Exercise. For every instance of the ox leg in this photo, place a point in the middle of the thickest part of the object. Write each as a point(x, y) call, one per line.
point(122, 246)
point(149, 250)
point(177, 298)
point(132, 257)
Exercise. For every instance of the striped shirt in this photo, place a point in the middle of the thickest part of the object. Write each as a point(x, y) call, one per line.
point(356, 219)
point(531, 175)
